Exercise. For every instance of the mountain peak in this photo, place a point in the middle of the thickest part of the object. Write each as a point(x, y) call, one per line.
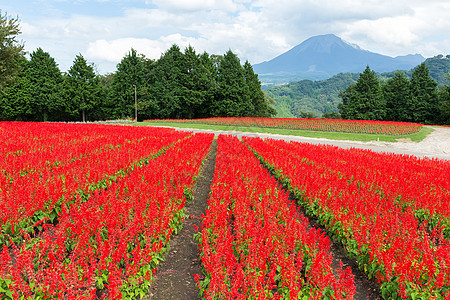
point(328, 40)
point(323, 44)
point(323, 56)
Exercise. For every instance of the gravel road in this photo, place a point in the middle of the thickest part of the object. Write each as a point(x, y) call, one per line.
point(435, 145)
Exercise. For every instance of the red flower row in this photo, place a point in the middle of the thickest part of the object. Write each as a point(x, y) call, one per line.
point(253, 241)
point(332, 125)
point(350, 194)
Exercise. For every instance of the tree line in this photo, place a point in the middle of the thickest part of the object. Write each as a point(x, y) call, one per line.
point(397, 99)
point(180, 84)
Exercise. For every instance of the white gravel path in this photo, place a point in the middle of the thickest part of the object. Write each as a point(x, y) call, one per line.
point(435, 145)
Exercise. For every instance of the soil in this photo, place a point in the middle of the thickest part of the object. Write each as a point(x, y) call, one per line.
point(175, 276)
point(366, 289)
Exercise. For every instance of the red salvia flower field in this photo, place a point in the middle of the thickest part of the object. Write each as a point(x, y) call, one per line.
point(87, 211)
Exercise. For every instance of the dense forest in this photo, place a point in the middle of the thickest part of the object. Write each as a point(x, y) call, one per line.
point(318, 98)
point(177, 85)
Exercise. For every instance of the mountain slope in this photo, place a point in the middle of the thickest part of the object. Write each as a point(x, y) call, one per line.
point(323, 56)
point(307, 96)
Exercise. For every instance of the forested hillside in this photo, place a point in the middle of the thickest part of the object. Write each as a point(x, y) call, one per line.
point(438, 66)
point(307, 96)
point(315, 98)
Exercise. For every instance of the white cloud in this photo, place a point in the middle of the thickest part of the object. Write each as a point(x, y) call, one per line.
point(197, 5)
point(394, 32)
point(115, 50)
point(256, 30)
point(404, 33)
point(191, 5)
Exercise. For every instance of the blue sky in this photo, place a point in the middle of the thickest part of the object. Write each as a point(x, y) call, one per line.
point(103, 31)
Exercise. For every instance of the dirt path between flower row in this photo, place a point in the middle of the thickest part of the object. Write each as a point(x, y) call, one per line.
point(175, 276)
point(366, 289)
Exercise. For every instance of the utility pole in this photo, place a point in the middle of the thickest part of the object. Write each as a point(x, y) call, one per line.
point(135, 103)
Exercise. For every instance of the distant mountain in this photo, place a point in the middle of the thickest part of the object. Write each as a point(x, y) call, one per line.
point(323, 56)
point(319, 97)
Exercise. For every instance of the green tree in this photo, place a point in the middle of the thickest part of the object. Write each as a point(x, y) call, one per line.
point(210, 85)
point(11, 51)
point(396, 92)
point(348, 108)
point(215, 60)
point(331, 115)
point(166, 87)
point(131, 71)
point(232, 98)
point(423, 106)
point(261, 107)
point(16, 101)
point(444, 103)
point(364, 100)
point(83, 88)
point(104, 112)
point(306, 115)
point(372, 105)
point(45, 83)
point(197, 83)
